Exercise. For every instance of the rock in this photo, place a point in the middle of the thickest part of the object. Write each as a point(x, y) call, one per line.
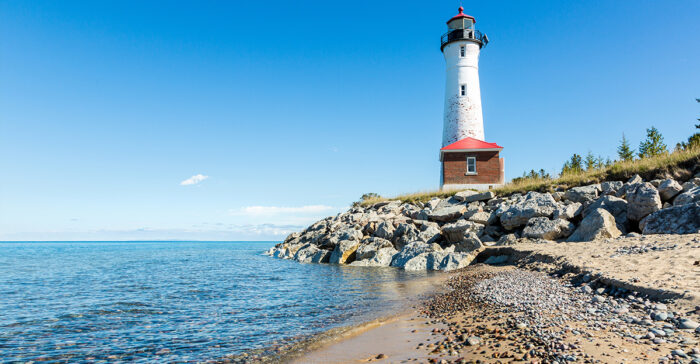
point(404, 234)
point(544, 228)
point(635, 179)
point(610, 187)
point(470, 242)
point(598, 299)
point(688, 324)
point(483, 217)
point(568, 212)
point(446, 214)
point(683, 219)
point(659, 316)
point(473, 341)
point(642, 200)
point(668, 189)
point(615, 206)
point(306, 253)
point(381, 258)
point(688, 197)
point(455, 232)
point(344, 252)
point(462, 195)
point(433, 203)
point(369, 247)
point(425, 261)
point(496, 259)
point(583, 194)
point(598, 224)
point(483, 196)
point(321, 256)
point(430, 234)
point(385, 230)
point(408, 252)
point(456, 260)
point(508, 239)
point(534, 205)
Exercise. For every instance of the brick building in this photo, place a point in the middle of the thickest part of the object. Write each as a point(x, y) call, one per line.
point(472, 163)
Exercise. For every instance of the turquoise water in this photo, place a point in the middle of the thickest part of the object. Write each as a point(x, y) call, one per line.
point(174, 301)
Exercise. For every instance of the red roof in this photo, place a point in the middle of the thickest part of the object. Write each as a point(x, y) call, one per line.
point(462, 15)
point(471, 143)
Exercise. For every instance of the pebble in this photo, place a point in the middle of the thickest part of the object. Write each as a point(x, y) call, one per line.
point(598, 298)
point(688, 324)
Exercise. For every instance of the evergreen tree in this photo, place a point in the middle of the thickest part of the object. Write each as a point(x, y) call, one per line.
point(624, 151)
point(693, 140)
point(653, 145)
point(590, 161)
point(574, 165)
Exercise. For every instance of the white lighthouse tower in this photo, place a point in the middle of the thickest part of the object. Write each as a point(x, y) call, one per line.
point(461, 46)
point(467, 160)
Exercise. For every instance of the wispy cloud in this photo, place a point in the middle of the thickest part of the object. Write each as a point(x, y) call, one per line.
point(197, 178)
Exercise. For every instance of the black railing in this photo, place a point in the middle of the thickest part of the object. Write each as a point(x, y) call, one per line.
point(460, 34)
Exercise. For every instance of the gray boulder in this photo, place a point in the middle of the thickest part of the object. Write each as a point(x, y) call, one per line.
point(470, 242)
point(453, 261)
point(369, 247)
point(385, 230)
point(610, 187)
point(682, 219)
point(599, 224)
point(344, 252)
point(449, 213)
point(321, 256)
point(483, 217)
point(642, 200)
point(381, 258)
point(691, 196)
point(534, 205)
point(425, 261)
point(510, 239)
point(483, 196)
point(568, 212)
point(544, 228)
point(306, 253)
point(462, 195)
point(615, 206)
point(583, 194)
point(404, 234)
point(454, 232)
point(669, 188)
point(410, 251)
point(429, 234)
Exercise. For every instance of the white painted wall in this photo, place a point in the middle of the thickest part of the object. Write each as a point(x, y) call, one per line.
point(463, 117)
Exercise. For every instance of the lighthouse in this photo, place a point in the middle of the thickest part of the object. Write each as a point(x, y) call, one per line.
point(467, 160)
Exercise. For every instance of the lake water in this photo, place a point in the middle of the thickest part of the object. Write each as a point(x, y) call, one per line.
point(175, 301)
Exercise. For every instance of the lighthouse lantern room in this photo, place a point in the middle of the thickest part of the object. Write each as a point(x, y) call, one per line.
point(467, 160)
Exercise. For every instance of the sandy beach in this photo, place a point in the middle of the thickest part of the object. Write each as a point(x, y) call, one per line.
point(631, 299)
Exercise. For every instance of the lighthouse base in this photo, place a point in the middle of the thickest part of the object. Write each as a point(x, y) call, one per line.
point(477, 187)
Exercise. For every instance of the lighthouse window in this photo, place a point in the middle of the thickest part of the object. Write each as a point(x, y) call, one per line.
point(462, 51)
point(471, 165)
point(463, 90)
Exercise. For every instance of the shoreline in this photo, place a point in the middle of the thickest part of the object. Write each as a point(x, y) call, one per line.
point(606, 321)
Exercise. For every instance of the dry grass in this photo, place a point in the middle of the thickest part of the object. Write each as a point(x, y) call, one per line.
point(679, 164)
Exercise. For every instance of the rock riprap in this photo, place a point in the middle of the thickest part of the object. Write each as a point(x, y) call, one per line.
point(447, 234)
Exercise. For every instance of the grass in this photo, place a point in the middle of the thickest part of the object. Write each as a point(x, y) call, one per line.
point(679, 164)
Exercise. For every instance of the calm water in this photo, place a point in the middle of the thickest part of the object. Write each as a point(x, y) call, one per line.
point(174, 301)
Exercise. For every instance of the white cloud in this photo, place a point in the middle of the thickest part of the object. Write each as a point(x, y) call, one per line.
point(197, 178)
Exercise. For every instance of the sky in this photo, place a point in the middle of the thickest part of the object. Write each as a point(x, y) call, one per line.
point(246, 120)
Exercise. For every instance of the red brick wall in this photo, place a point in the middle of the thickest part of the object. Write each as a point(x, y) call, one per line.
point(488, 168)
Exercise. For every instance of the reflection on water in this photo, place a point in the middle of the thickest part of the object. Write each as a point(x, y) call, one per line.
point(176, 301)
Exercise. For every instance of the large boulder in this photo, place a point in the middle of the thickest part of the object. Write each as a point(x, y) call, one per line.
point(369, 247)
point(429, 234)
point(669, 188)
point(454, 232)
point(483, 217)
point(470, 242)
point(381, 258)
point(691, 196)
point(598, 224)
point(610, 187)
point(583, 194)
point(408, 252)
point(447, 213)
point(544, 228)
point(534, 205)
point(456, 260)
point(483, 196)
point(615, 206)
point(463, 195)
point(568, 212)
point(404, 234)
point(642, 200)
point(682, 219)
point(425, 261)
point(306, 253)
point(321, 256)
point(385, 230)
point(344, 252)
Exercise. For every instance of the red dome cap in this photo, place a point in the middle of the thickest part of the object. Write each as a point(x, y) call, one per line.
point(462, 15)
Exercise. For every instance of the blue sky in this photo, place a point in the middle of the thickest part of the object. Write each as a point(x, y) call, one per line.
point(292, 110)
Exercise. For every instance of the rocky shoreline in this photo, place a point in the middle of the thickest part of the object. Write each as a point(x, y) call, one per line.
point(449, 234)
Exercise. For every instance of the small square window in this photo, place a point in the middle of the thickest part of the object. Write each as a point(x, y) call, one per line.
point(463, 90)
point(462, 51)
point(471, 165)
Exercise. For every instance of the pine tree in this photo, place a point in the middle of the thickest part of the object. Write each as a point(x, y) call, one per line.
point(590, 161)
point(624, 151)
point(653, 145)
point(576, 164)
